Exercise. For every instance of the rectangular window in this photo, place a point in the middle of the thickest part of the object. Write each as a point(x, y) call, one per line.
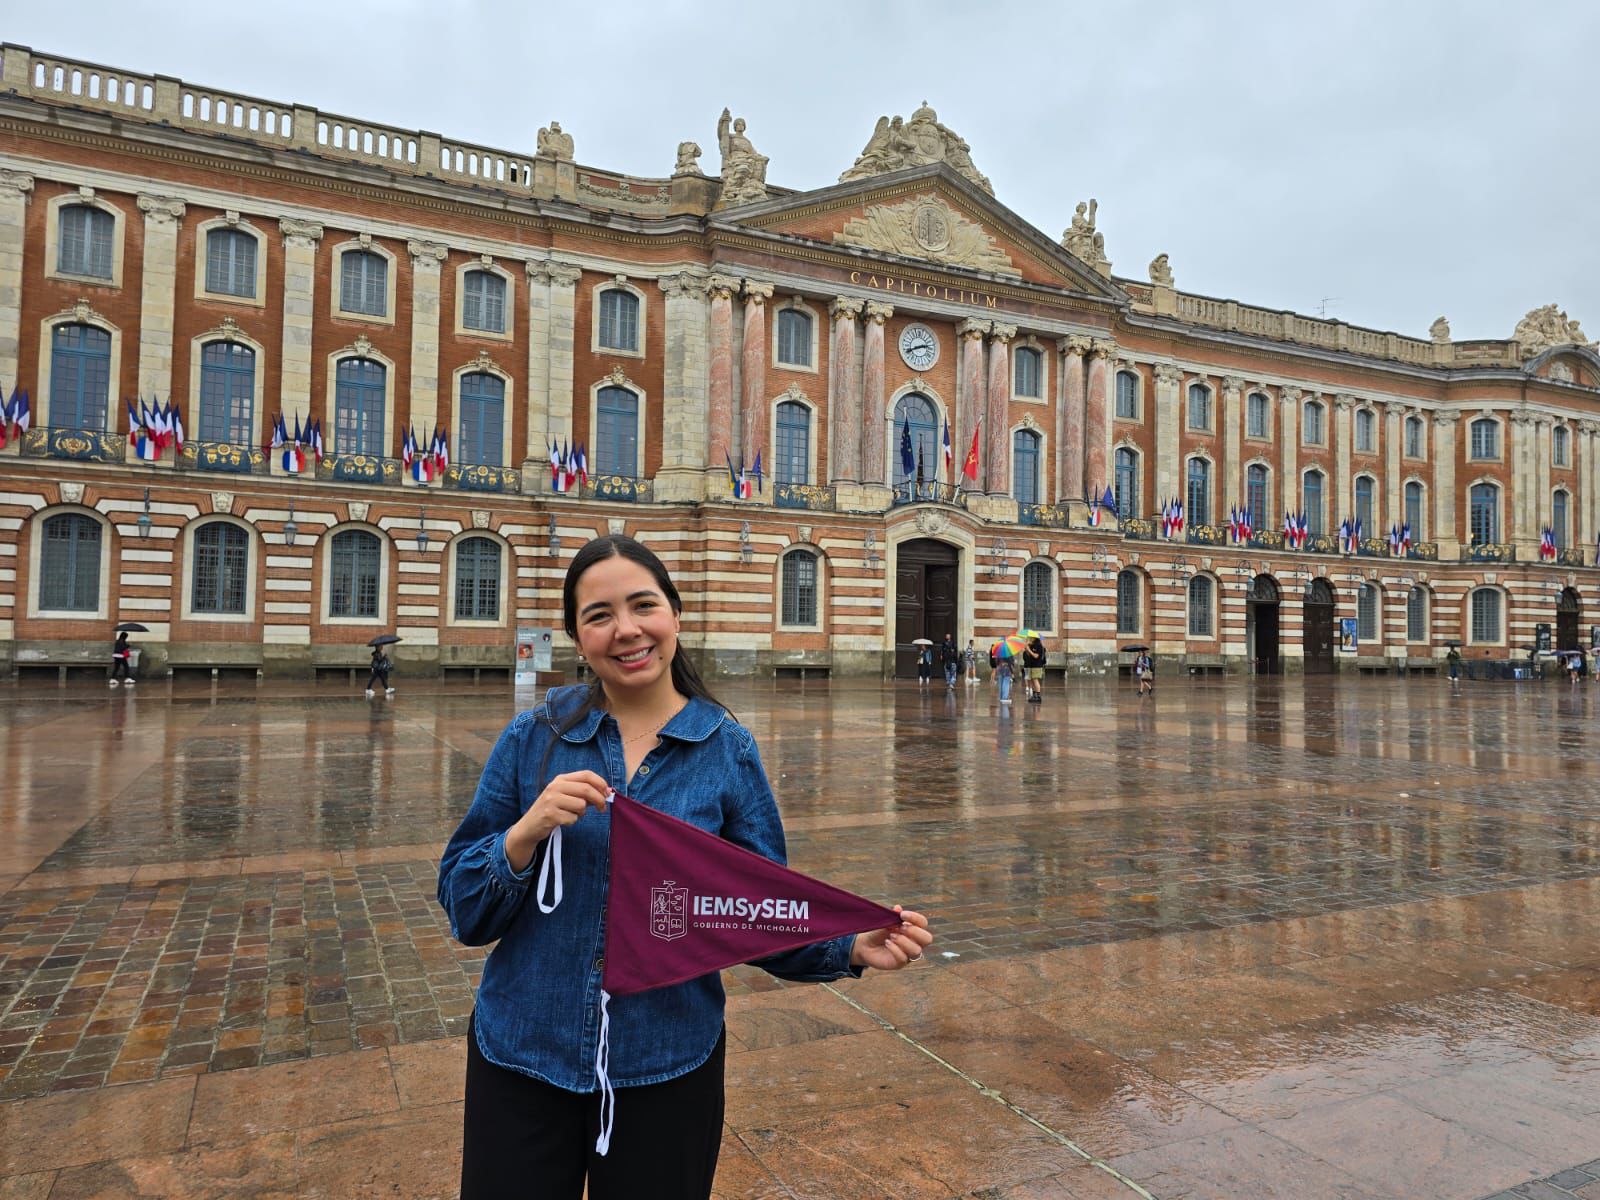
point(1485, 615)
point(85, 242)
point(619, 320)
point(1413, 437)
point(69, 564)
point(1417, 616)
point(231, 263)
point(1257, 416)
point(353, 577)
point(1038, 584)
point(483, 303)
point(1414, 510)
point(1256, 499)
point(794, 337)
point(1127, 602)
point(1366, 431)
point(478, 580)
point(364, 283)
point(800, 588)
point(1315, 435)
point(1199, 407)
point(1127, 396)
point(1028, 373)
point(1367, 613)
point(1485, 439)
point(1200, 607)
point(1558, 446)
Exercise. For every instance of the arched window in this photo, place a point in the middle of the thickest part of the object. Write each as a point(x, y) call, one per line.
point(1485, 438)
point(221, 569)
point(1129, 587)
point(85, 241)
point(478, 580)
point(799, 587)
point(914, 413)
point(1025, 466)
point(794, 337)
point(1257, 416)
point(617, 438)
point(1038, 596)
point(354, 569)
point(1127, 494)
point(1558, 446)
point(1364, 490)
point(1316, 430)
point(1366, 431)
point(483, 409)
point(1485, 609)
point(231, 263)
point(1200, 612)
point(80, 376)
point(1127, 396)
point(1414, 437)
point(1197, 497)
point(364, 283)
point(227, 393)
point(1311, 502)
point(1199, 406)
point(1414, 511)
point(1484, 502)
point(1367, 613)
point(69, 564)
point(1319, 592)
point(1258, 496)
point(1417, 615)
point(1558, 517)
point(619, 320)
point(792, 462)
point(483, 302)
point(358, 405)
point(1028, 373)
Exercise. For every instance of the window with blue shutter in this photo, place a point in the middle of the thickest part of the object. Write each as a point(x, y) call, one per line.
point(1485, 439)
point(1417, 615)
point(1038, 593)
point(1129, 587)
point(1127, 493)
point(1558, 518)
point(1200, 606)
point(1311, 502)
point(227, 393)
point(799, 588)
point(619, 320)
point(1028, 370)
point(69, 564)
point(483, 302)
point(478, 580)
point(80, 377)
point(1364, 493)
point(364, 283)
point(84, 241)
point(794, 337)
point(1257, 496)
point(483, 407)
point(1484, 513)
point(1485, 615)
point(1127, 396)
point(1414, 510)
point(1258, 416)
point(617, 438)
point(1197, 500)
point(358, 415)
point(1199, 406)
point(1367, 613)
point(231, 263)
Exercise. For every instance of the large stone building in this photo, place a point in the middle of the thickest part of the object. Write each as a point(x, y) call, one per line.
point(239, 259)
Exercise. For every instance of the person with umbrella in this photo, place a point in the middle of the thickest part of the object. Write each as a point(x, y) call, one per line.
point(122, 653)
point(1033, 659)
point(924, 660)
point(1143, 669)
point(381, 664)
point(1004, 654)
point(1452, 660)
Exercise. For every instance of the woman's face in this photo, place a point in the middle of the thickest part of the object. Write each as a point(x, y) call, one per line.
point(626, 628)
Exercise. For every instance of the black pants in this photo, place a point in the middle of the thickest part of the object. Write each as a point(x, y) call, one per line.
point(378, 679)
point(530, 1140)
point(119, 668)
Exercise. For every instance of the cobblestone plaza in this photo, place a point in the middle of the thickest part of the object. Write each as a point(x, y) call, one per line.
point(1277, 938)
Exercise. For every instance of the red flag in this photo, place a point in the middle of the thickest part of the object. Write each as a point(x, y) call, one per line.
point(970, 467)
point(685, 902)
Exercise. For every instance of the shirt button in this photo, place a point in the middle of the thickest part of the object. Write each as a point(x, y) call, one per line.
point(599, 963)
point(645, 770)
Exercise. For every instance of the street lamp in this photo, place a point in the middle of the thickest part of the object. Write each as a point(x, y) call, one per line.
point(145, 523)
point(871, 544)
point(997, 569)
point(422, 531)
point(555, 538)
point(290, 529)
point(747, 552)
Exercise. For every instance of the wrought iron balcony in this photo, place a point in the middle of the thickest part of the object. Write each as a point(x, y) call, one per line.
point(1424, 551)
point(359, 468)
point(83, 445)
point(479, 478)
point(814, 496)
point(223, 456)
point(1490, 552)
point(626, 489)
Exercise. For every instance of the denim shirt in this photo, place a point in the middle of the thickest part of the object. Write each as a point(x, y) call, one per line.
point(538, 1009)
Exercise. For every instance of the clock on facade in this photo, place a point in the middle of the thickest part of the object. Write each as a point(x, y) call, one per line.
point(919, 347)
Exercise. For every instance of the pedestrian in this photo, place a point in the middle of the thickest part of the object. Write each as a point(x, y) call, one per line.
point(648, 724)
point(1003, 671)
point(924, 665)
point(1453, 664)
point(994, 663)
point(969, 662)
point(381, 666)
point(1574, 665)
point(121, 660)
point(1144, 671)
point(950, 659)
point(1033, 660)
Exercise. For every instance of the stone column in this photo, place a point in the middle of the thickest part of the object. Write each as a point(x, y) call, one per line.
point(300, 240)
point(1588, 479)
point(844, 398)
point(563, 316)
point(873, 399)
point(1343, 403)
point(535, 467)
point(719, 416)
point(1097, 415)
point(971, 393)
point(753, 428)
point(685, 416)
point(1289, 450)
point(426, 259)
point(1168, 485)
point(14, 189)
point(997, 467)
point(1444, 484)
point(1232, 465)
point(157, 295)
point(1069, 418)
point(1524, 505)
point(1542, 502)
point(1394, 415)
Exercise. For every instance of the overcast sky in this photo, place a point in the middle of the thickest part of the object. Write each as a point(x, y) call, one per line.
point(1385, 161)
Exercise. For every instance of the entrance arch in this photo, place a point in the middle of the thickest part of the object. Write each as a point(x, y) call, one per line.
point(1261, 625)
point(925, 598)
point(1569, 616)
point(1318, 627)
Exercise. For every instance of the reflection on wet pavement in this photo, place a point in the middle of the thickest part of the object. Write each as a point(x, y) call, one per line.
point(1276, 938)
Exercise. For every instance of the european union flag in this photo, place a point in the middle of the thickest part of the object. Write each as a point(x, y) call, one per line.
point(908, 460)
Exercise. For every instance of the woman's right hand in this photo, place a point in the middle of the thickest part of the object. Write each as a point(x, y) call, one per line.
point(561, 803)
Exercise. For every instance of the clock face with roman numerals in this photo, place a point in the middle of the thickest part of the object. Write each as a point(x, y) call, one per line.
point(919, 346)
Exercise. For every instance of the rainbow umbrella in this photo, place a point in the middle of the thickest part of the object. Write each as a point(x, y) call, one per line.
point(1010, 646)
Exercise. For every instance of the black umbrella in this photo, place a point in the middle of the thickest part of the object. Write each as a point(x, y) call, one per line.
point(131, 627)
point(384, 639)
point(1454, 643)
point(1135, 649)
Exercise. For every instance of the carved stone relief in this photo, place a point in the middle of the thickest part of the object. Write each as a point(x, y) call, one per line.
point(1546, 327)
point(931, 522)
point(72, 493)
point(358, 510)
point(222, 502)
point(480, 518)
point(926, 227)
point(897, 144)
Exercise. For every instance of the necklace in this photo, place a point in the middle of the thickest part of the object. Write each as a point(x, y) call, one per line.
point(647, 733)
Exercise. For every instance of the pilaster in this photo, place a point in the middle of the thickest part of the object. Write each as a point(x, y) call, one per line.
point(970, 396)
point(1232, 466)
point(158, 293)
point(1444, 484)
point(1525, 505)
point(720, 288)
point(1343, 406)
point(1069, 418)
point(535, 475)
point(844, 397)
point(426, 259)
point(753, 412)
point(1097, 415)
point(1543, 503)
point(997, 474)
point(300, 240)
point(1168, 377)
point(1394, 512)
point(1289, 448)
point(685, 417)
point(14, 189)
point(563, 308)
point(873, 398)
point(1584, 460)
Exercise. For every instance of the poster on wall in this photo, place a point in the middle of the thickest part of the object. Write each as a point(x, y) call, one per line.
point(1347, 635)
point(534, 653)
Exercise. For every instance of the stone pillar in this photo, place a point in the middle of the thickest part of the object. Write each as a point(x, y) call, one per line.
point(1168, 484)
point(1097, 415)
point(753, 427)
point(157, 295)
point(1343, 403)
point(1588, 479)
point(1069, 418)
point(685, 416)
point(1289, 450)
point(535, 467)
point(1444, 484)
point(563, 316)
point(300, 240)
point(1394, 415)
point(873, 399)
point(970, 396)
point(719, 416)
point(1526, 505)
point(997, 466)
point(426, 259)
point(14, 189)
point(1232, 465)
point(1543, 503)
point(844, 397)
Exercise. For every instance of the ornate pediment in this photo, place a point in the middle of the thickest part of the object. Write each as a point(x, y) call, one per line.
point(1546, 327)
point(926, 227)
point(897, 144)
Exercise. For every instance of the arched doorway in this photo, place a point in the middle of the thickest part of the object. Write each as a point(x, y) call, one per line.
point(924, 599)
point(1569, 616)
point(1318, 627)
point(1261, 625)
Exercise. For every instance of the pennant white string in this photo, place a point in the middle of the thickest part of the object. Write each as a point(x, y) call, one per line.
point(602, 1063)
point(552, 853)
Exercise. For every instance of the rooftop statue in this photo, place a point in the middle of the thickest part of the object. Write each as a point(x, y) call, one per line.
point(1439, 331)
point(1161, 271)
point(1546, 327)
point(896, 144)
point(744, 172)
point(688, 159)
point(1081, 239)
point(553, 143)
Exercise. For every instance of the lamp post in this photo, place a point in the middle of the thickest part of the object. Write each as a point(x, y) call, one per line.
point(145, 523)
point(871, 543)
point(747, 552)
point(290, 529)
point(422, 531)
point(554, 544)
point(997, 568)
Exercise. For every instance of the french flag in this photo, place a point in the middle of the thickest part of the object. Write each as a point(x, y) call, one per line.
point(294, 458)
point(949, 454)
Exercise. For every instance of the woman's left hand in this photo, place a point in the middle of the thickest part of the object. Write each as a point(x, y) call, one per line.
point(891, 949)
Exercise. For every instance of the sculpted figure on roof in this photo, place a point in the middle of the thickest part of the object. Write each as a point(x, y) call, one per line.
point(744, 172)
point(553, 143)
point(1546, 327)
point(915, 143)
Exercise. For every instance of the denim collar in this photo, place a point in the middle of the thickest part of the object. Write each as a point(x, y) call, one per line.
point(695, 722)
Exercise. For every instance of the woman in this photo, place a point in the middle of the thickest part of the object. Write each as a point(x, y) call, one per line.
point(1033, 658)
point(380, 672)
point(1144, 672)
point(924, 665)
point(1003, 670)
point(121, 657)
point(647, 726)
point(969, 661)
